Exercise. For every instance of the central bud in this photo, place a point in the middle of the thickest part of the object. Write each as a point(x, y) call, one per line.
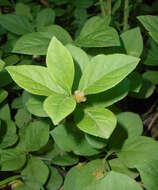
point(79, 96)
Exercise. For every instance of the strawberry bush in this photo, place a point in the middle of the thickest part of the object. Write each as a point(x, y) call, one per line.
point(78, 95)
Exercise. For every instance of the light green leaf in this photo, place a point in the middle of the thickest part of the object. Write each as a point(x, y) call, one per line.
point(149, 172)
point(11, 159)
point(80, 56)
point(16, 24)
point(32, 133)
point(45, 18)
point(60, 65)
point(133, 42)
point(35, 106)
point(59, 106)
point(9, 137)
point(81, 60)
point(34, 79)
point(72, 140)
point(55, 180)
point(110, 96)
point(151, 25)
point(105, 71)
point(3, 95)
point(96, 121)
point(96, 33)
point(35, 172)
point(37, 43)
point(151, 76)
point(138, 151)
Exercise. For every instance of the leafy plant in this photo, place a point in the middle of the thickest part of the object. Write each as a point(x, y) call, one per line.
point(74, 102)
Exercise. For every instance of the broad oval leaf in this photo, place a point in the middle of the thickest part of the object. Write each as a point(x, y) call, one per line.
point(83, 176)
point(59, 157)
point(149, 172)
point(129, 126)
point(16, 24)
point(96, 33)
point(72, 140)
point(60, 65)
point(59, 106)
point(117, 166)
point(138, 151)
point(12, 159)
point(91, 177)
point(35, 106)
point(110, 96)
point(36, 172)
point(96, 142)
point(133, 42)
point(55, 180)
point(96, 121)
point(8, 132)
point(115, 180)
point(37, 43)
point(131, 122)
point(33, 131)
point(34, 79)
point(105, 71)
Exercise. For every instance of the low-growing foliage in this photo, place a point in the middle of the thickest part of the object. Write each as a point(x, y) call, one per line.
point(68, 72)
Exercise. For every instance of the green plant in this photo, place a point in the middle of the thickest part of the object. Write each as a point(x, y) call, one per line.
point(66, 120)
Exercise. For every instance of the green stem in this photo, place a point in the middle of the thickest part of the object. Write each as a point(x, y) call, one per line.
point(102, 6)
point(126, 15)
point(109, 7)
point(9, 179)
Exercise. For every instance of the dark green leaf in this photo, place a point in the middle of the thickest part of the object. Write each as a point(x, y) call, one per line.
point(36, 136)
point(16, 24)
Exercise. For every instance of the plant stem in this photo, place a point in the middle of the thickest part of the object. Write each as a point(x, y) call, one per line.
point(9, 179)
point(109, 7)
point(102, 6)
point(126, 15)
